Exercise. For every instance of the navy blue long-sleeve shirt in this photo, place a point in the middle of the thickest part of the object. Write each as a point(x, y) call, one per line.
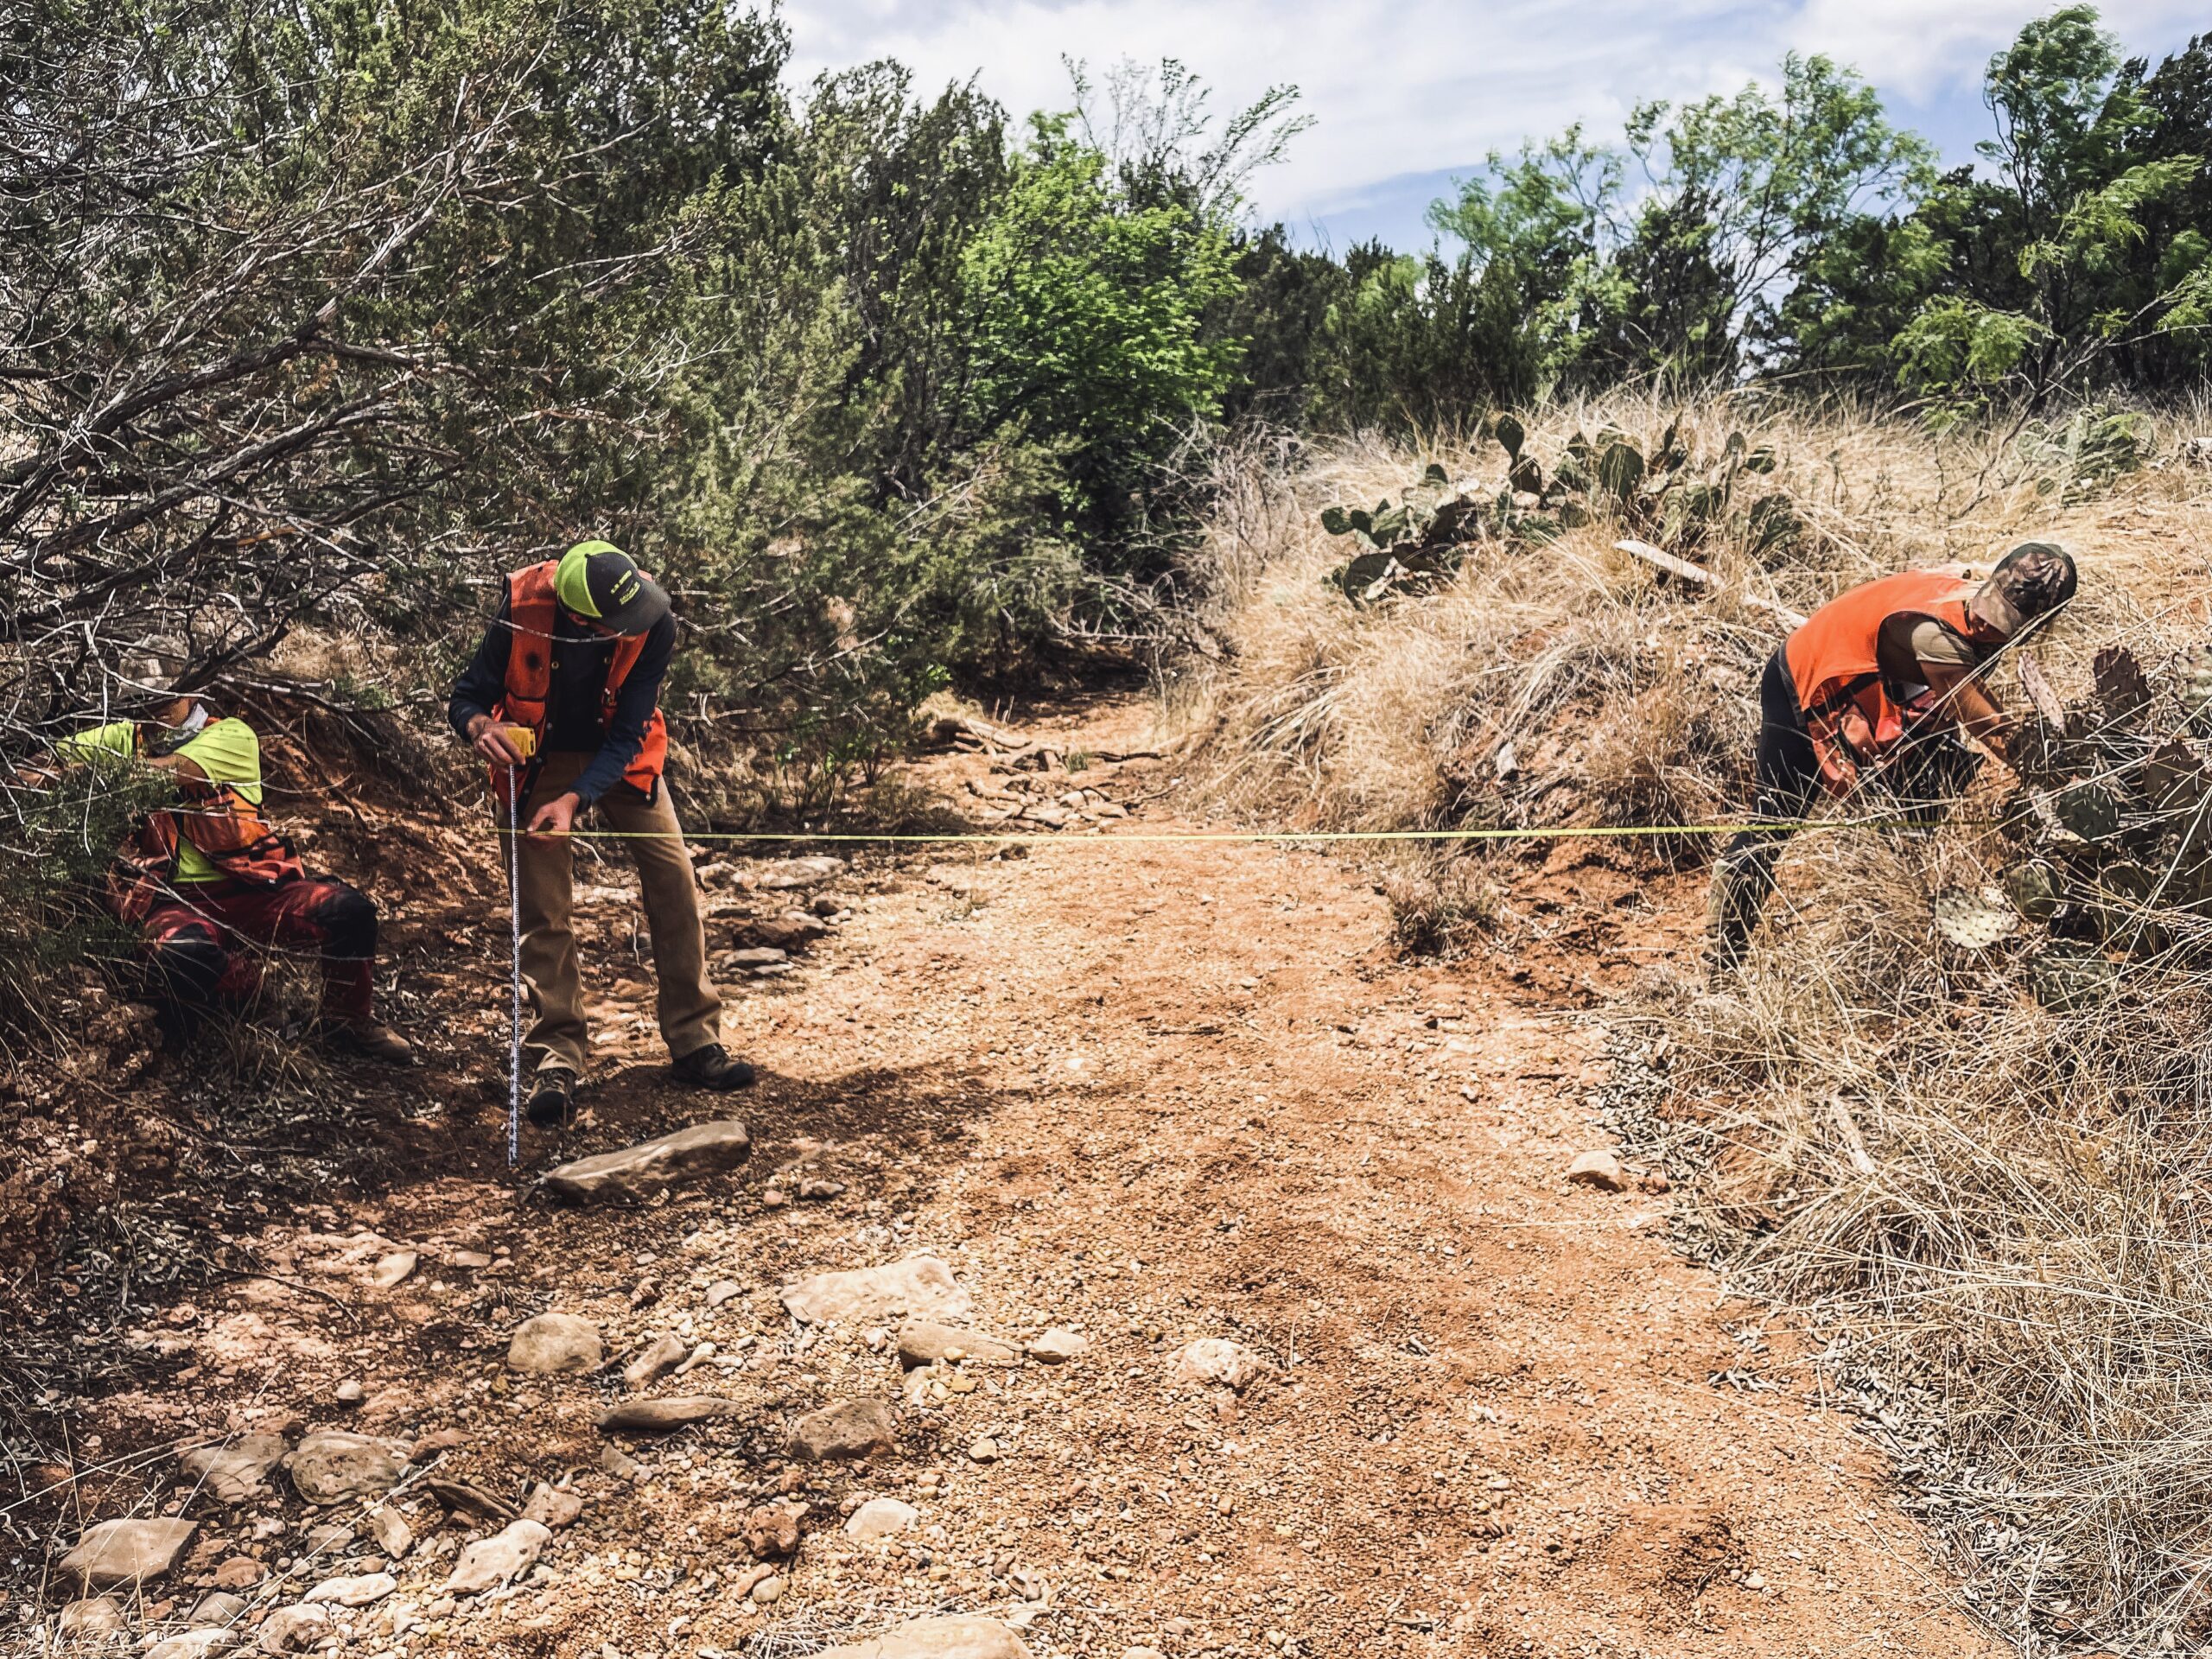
point(573, 720)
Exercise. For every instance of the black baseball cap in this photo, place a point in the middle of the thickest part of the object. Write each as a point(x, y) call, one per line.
point(599, 580)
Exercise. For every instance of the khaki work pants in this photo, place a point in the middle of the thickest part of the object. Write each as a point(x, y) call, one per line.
point(689, 1007)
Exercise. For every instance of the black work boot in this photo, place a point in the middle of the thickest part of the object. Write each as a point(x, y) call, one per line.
point(713, 1067)
point(1741, 879)
point(552, 1103)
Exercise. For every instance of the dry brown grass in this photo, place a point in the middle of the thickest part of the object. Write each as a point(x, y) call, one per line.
point(2010, 1207)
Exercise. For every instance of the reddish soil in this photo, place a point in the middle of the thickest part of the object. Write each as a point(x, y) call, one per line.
point(1151, 1090)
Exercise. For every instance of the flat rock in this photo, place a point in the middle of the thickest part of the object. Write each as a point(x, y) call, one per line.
point(1600, 1169)
point(94, 1616)
point(1057, 1346)
point(239, 1572)
point(553, 1507)
point(293, 1630)
point(925, 1342)
point(921, 1287)
point(849, 1429)
point(665, 1355)
point(556, 1345)
point(1219, 1362)
point(393, 1269)
point(880, 1517)
point(490, 1562)
point(331, 1466)
point(639, 1172)
point(670, 1411)
point(959, 1637)
point(786, 874)
point(722, 1291)
point(235, 1472)
point(193, 1645)
point(389, 1528)
point(357, 1591)
point(126, 1552)
point(218, 1607)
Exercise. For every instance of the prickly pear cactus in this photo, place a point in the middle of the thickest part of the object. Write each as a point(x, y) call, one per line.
point(1660, 490)
point(2113, 829)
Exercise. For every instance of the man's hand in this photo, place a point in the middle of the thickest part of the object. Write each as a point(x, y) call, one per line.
point(556, 816)
point(490, 740)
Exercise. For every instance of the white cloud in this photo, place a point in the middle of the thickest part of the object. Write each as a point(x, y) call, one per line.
point(1425, 86)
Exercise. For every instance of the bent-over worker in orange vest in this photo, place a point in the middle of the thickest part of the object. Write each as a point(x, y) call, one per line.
point(1877, 682)
point(575, 657)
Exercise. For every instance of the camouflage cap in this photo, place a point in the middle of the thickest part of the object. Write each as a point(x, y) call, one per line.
point(2032, 580)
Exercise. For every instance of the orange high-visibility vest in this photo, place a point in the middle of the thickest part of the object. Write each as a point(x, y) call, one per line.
point(1835, 663)
point(224, 826)
point(532, 610)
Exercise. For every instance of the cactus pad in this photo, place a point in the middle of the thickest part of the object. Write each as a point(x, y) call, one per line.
point(2034, 890)
point(1975, 917)
point(2089, 811)
point(2067, 980)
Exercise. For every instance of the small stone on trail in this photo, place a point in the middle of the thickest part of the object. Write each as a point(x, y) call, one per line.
point(233, 1473)
point(661, 1356)
point(721, 1290)
point(293, 1630)
point(786, 874)
point(239, 1572)
point(126, 1552)
point(350, 1392)
point(1057, 1346)
point(1142, 1653)
point(670, 1411)
point(639, 1171)
point(774, 1198)
point(470, 1259)
point(921, 1285)
point(93, 1616)
point(961, 1635)
point(849, 1429)
point(1600, 1169)
point(331, 1466)
point(1656, 1181)
point(218, 1607)
point(389, 1528)
point(357, 1592)
point(815, 1189)
point(553, 1345)
point(552, 1506)
point(621, 1464)
point(983, 1449)
point(770, 1589)
point(393, 1269)
point(773, 1528)
point(193, 1645)
point(459, 1497)
point(1219, 1362)
point(923, 1342)
point(880, 1517)
point(492, 1562)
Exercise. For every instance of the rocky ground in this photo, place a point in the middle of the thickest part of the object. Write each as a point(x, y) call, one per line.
point(1124, 1250)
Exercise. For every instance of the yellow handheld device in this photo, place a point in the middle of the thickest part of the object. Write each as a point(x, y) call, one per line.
point(523, 739)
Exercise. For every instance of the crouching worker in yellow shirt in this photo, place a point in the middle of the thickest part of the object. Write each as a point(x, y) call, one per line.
point(207, 880)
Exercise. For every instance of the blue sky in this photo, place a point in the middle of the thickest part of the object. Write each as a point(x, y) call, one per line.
point(1405, 96)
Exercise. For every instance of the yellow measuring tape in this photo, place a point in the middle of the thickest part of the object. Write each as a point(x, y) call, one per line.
point(1057, 837)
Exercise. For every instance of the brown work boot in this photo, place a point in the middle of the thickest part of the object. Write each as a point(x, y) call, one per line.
point(714, 1067)
point(371, 1039)
point(552, 1103)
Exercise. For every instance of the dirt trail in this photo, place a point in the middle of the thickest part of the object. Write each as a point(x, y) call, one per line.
point(1153, 1093)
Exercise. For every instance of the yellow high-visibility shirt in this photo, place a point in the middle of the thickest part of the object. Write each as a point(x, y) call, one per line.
point(228, 751)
